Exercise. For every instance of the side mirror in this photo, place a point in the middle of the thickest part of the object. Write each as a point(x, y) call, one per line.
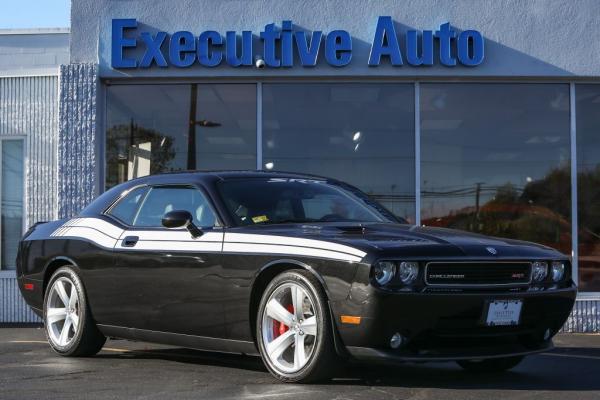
point(181, 219)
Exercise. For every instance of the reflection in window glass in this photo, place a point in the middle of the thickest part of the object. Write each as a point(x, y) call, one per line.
point(160, 128)
point(161, 200)
point(127, 207)
point(588, 185)
point(359, 133)
point(274, 201)
point(12, 201)
point(495, 160)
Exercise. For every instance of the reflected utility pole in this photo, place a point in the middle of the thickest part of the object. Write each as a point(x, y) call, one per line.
point(191, 148)
point(477, 196)
point(191, 145)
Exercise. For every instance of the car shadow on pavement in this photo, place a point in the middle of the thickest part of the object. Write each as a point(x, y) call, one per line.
point(572, 368)
point(183, 355)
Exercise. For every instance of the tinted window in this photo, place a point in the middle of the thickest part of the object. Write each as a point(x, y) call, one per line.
point(495, 159)
point(127, 207)
point(279, 200)
point(360, 133)
point(161, 200)
point(160, 128)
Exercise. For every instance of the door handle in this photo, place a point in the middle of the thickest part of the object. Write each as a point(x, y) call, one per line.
point(130, 241)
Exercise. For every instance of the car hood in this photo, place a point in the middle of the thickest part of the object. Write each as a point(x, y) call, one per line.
point(393, 240)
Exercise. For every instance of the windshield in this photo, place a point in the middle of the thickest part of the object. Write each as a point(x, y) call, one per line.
point(283, 200)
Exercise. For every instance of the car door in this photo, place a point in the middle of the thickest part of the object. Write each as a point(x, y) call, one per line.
point(174, 280)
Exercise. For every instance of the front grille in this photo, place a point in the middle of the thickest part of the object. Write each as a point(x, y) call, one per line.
point(477, 273)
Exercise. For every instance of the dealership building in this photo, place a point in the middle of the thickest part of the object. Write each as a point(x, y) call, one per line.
point(476, 115)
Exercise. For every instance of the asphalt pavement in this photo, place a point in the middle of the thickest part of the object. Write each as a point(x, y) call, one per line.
point(29, 369)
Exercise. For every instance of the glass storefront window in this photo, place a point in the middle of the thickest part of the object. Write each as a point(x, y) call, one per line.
point(495, 159)
point(588, 185)
point(160, 128)
point(360, 133)
point(11, 209)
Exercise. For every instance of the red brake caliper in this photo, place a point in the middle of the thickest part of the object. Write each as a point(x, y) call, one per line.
point(280, 328)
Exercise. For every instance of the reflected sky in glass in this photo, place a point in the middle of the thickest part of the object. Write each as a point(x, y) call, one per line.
point(495, 159)
point(359, 133)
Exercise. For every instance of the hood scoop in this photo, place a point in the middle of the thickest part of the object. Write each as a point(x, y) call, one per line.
point(352, 229)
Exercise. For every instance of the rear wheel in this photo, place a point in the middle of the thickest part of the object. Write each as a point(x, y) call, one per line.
point(69, 326)
point(294, 331)
point(491, 364)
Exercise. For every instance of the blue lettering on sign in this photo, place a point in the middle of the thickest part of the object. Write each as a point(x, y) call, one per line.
point(284, 47)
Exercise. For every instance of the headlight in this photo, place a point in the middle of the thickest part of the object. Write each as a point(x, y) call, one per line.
point(539, 271)
point(408, 272)
point(558, 270)
point(384, 271)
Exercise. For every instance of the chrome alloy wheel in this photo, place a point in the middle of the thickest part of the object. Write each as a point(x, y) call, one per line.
point(289, 328)
point(62, 312)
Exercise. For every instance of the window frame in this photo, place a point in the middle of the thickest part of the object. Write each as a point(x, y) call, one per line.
point(150, 186)
point(24, 217)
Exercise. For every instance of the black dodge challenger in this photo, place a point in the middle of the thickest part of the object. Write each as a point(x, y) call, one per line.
point(300, 269)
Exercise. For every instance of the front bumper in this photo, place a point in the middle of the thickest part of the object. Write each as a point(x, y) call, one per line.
point(449, 326)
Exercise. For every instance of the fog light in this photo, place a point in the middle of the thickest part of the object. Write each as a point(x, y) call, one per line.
point(539, 271)
point(547, 334)
point(558, 270)
point(397, 340)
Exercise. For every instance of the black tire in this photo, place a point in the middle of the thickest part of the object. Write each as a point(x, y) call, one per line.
point(490, 365)
point(87, 339)
point(321, 363)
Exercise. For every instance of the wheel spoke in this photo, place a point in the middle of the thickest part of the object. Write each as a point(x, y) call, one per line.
point(64, 333)
point(279, 345)
point(75, 321)
point(55, 314)
point(299, 352)
point(73, 297)
point(309, 326)
point(298, 301)
point(62, 293)
point(276, 311)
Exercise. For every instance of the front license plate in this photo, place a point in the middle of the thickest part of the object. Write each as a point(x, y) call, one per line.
point(503, 312)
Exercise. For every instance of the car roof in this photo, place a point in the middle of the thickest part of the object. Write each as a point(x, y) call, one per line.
point(227, 174)
point(102, 202)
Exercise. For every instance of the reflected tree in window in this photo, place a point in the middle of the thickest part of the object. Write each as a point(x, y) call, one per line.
point(538, 212)
point(495, 159)
point(588, 185)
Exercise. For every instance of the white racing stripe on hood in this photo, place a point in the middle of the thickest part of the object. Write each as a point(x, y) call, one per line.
point(107, 235)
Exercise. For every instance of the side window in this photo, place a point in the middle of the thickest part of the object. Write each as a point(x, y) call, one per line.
point(161, 200)
point(127, 207)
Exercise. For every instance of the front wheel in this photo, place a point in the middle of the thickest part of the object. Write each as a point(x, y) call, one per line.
point(293, 328)
point(70, 328)
point(491, 365)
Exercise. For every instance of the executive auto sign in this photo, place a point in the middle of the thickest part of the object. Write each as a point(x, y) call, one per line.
point(283, 46)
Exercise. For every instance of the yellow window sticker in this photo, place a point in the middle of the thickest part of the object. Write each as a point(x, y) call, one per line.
point(260, 218)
